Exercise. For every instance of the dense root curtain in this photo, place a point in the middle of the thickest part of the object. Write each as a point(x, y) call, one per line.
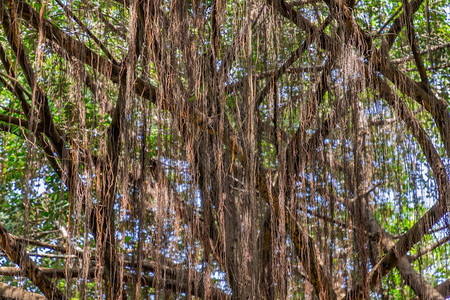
point(250, 149)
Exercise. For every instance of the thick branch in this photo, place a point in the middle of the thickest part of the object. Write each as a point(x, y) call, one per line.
point(17, 254)
point(398, 25)
point(363, 41)
point(422, 288)
point(422, 226)
point(43, 109)
point(424, 96)
point(18, 90)
point(80, 51)
point(429, 248)
point(16, 293)
point(444, 289)
point(176, 280)
point(86, 29)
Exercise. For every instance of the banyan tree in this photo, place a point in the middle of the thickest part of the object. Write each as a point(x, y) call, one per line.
point(212, 149)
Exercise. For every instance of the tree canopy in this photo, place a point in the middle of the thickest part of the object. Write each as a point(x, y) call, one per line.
point(224, 149)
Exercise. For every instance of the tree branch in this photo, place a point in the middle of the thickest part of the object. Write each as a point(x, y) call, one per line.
point(173, 279)
point(433, 215)
point(397, 26)
point(10, 292)
point(430, 49)
point(444, 288)
point(415, 48)
point(82, 52)
point(363, 41)
point(17, 254)
point(288, 63)
point(429, 248)
point(422, 288)
point(43, 109)
point(84, 27)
